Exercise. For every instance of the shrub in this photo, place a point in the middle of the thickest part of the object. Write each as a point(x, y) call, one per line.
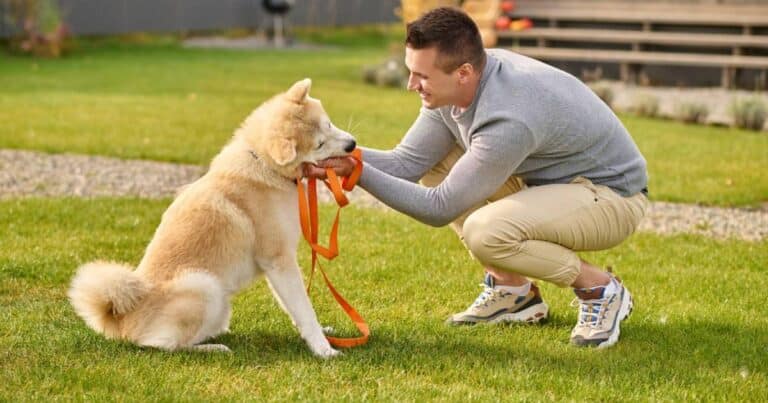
point(604, 92)
point(43, 30)
point(691, 112)
point(369, 73)
point(390, 73)
point(645, 105)
point(749, 113)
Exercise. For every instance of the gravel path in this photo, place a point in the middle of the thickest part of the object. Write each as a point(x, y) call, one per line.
point(28, 174)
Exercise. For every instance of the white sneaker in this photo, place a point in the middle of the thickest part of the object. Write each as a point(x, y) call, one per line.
point(600, 315)
point(496, 306)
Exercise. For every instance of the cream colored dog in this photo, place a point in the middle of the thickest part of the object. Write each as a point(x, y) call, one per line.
point(238, 221)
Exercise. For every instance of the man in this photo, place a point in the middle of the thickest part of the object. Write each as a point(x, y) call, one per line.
point(526, 164)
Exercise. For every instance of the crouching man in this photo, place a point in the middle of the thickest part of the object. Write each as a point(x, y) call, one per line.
point(525, 163)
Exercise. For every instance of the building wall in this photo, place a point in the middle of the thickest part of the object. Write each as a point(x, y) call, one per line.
point(100, 17)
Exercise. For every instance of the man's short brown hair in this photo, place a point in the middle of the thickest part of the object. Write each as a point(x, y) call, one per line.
point(453, 33)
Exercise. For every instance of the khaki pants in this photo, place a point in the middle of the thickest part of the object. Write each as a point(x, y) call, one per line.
point(535, 231)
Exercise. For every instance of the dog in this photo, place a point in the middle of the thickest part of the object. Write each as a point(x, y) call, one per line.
point(237, 222)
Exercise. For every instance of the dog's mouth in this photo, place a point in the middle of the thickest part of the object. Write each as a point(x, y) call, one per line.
point(341, 149)
point(307, 167)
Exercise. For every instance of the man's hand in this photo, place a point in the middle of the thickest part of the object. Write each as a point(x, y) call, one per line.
point(343, 166)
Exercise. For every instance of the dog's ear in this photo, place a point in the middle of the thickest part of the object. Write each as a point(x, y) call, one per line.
point(300, 91)
point(283, 151)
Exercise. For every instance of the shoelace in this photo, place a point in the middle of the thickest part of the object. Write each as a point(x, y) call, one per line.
point(591, 312)
point(489, 294)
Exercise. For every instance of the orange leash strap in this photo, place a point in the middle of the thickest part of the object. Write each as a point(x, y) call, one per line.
point(309, 227)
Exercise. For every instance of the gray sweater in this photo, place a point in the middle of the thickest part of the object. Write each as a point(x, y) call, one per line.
point(527, 119)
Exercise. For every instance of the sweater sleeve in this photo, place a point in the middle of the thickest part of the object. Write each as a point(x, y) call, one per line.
point(496, 150)
point(425, 144)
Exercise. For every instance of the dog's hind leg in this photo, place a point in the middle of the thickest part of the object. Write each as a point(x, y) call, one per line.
point(227, 318)
point(288, 287)
point(193, 310)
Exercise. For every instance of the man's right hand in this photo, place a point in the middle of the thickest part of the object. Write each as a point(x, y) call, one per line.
point(343, 166)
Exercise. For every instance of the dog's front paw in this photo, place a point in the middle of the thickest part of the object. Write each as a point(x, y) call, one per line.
point(327, 352)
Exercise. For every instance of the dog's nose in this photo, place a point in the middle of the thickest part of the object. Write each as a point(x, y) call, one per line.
point(350, 146)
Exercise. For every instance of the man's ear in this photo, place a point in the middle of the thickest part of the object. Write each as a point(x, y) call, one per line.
point(283, 151)
point(299, 91)
point(465, 72)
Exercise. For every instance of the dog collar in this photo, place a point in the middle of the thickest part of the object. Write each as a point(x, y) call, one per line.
point(256, 157)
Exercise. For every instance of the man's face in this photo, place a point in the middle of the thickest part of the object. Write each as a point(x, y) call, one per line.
point(435, 87)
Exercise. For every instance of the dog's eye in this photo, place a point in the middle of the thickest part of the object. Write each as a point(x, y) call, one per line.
point(319, 146)
point(329, 125)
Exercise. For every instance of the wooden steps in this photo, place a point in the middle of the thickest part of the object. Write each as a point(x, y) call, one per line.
point(732, 37)
point(664, 58)
point(646, 11)
point(638, 37)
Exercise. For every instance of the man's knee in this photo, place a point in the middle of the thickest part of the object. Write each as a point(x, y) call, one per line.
point(487, 240)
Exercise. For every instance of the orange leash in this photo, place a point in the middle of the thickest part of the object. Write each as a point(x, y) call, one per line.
point(309, 227)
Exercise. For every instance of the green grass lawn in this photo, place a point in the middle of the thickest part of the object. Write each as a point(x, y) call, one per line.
point(163, 102)
point(699, 330)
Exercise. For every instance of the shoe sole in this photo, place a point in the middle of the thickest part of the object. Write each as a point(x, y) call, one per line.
point(532, 315)
point(624, 311)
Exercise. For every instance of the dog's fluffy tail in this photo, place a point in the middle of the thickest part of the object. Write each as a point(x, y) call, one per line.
point(101, 291)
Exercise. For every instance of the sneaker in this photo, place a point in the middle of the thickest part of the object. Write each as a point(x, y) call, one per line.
point(496, 306)
point(600, 315)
